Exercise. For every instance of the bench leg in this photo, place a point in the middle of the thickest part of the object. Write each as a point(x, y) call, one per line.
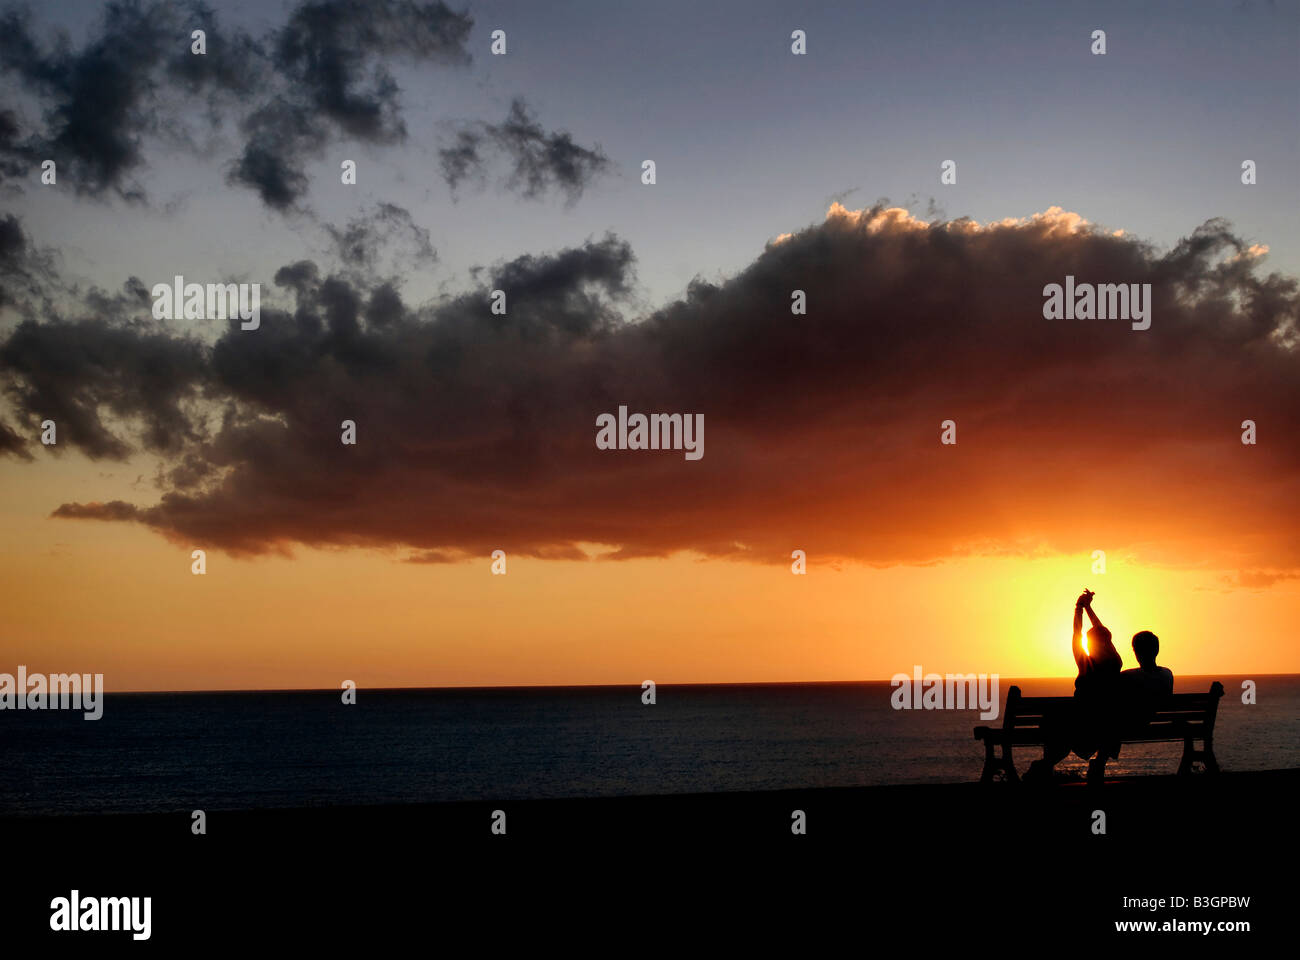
point(1008, 766)
point(1211, 765)
point(1191, 755)
point(990, 762)
point(993, 764)
point(1207, 757)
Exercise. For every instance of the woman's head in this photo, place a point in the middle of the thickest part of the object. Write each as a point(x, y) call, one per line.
point(1098, 637)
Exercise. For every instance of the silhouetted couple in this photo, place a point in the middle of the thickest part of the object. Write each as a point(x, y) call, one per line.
point(1106, 698)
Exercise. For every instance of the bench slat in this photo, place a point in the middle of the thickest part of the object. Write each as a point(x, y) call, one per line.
point(1035, 721)
point(1029, 720)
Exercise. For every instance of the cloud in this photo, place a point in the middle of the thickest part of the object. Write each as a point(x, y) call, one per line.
point(113, 510)
point(99, 100)
point(12, 444)
point(331, 51)
point(477, 431)
point(539, 161)
point(26, 272)
point(279, 136)
point(320, 78)
point(15, 156)
point(100, 103)
point(361, 244)
point(329, 62)
point(87, 375)
point(323, 72)
point(236, 63)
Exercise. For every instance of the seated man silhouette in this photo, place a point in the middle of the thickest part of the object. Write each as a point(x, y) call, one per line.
point(1144, 686)
point(1092, 730)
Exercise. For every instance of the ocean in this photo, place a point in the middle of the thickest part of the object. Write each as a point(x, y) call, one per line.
point(160, 752)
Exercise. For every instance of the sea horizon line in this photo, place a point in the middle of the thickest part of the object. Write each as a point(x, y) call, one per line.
point(633, 684)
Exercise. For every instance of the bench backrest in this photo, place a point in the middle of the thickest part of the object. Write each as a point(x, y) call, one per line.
point(1176, 717)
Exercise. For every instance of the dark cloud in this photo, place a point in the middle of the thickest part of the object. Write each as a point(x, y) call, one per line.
point(332, 50)
point(15, 156)
point(236, 63)
point(113, 510)
point(13, 253)
point(322, 71)
point(538, 160)
point(99, 102)
point(320, 77)
point(477, 432)
point(131, 301)
point(278, 137)
point(331, 80)
point(362, 243)
point(89, 376)
point(464, 159)
point(26, 272)
point(12, 444)
point(298, 276)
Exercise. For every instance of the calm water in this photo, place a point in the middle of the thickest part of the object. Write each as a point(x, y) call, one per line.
point(166, 752)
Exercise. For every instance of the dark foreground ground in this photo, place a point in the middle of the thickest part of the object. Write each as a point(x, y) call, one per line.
point(937, 868)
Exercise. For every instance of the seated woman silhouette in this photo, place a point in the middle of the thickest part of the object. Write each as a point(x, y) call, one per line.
point(1092, 730)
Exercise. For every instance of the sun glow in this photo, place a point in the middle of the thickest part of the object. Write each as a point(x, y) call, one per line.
point(595, 621)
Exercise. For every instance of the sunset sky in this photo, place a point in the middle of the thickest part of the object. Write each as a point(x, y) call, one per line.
point(477, 432)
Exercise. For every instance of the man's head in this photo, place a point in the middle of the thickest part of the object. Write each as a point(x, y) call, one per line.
point(1145, 647)
point(1097, 637)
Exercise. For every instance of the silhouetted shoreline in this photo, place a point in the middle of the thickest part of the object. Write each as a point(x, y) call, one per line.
point(897, 858)
point(1164, 805)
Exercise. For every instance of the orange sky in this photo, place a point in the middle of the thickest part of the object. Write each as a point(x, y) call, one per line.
point(478, 433)
point(119, 599)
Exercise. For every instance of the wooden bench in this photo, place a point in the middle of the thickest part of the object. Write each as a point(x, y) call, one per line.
point(1031, 721)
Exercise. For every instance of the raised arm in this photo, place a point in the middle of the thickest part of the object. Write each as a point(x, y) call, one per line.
point(1087, 605)
point(1077, 643)
point(1103, 651)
